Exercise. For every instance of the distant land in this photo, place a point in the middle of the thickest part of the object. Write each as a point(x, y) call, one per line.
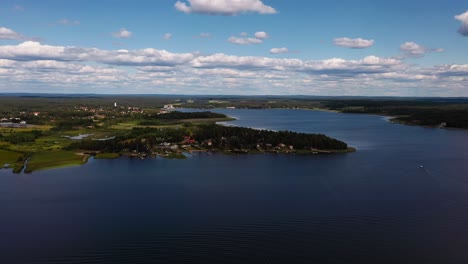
point(49, 131)
point(40, 131)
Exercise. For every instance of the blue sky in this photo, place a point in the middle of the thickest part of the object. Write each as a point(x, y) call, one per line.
point(398, 48)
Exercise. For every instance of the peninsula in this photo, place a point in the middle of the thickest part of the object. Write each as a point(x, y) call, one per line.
point(41, 133)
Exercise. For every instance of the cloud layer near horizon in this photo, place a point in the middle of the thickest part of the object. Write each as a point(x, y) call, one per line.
point(76, 69)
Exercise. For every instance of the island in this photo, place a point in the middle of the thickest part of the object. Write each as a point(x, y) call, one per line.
point(43, 133)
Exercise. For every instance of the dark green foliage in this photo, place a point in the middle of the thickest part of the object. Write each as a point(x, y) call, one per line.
point(452, 118)
point(151, 123)
point(68, 124)
point(96, 145)
point(23, 137)
point(247, 138)
point(419, 112)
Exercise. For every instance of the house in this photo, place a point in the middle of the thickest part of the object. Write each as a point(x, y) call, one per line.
point(189, 140)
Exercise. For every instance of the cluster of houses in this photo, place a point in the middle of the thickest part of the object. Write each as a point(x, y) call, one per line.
point(166, 109)
point(12, 122)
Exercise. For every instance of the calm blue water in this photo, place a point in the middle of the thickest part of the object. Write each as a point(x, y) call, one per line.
point(373, 206)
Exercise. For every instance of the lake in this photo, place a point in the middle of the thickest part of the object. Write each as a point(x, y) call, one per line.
point(401, 198)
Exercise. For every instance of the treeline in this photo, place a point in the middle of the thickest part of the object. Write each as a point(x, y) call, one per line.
point(69, 124)
point(239, 137)
point(433, 117)
point(141, 139)
point(453, 113)
point(221, 137)
point(113, 145)
point(22, 137)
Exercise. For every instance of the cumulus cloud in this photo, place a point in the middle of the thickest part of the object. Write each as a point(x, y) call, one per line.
point(411, 49)
point(122, 33)
point(6, 33)
point(279, 50)
point(30, 51)
point(357, 43)
point(245, 40)
point(65, 21)
point(157, 71)
point(463, 18)
point(224, 7)
point(261, 35)
point(34, 51)
point(167, 36)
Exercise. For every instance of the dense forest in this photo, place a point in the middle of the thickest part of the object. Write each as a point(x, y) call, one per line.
point(241, 137)
point(453, 113)
point(220, 138)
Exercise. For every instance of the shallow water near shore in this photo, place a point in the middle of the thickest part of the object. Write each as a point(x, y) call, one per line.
point(401, 198)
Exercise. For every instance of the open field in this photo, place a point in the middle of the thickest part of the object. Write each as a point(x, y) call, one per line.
point(54, 159)
point(8, 159)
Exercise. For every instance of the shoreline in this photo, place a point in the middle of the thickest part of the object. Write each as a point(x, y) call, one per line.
point(86, 156)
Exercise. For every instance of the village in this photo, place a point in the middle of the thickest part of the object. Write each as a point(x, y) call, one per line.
point(47, 138)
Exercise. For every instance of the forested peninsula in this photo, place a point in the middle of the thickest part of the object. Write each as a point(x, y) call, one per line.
point(41, 136)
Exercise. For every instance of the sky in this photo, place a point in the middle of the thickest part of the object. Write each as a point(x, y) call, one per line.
point(235, 47)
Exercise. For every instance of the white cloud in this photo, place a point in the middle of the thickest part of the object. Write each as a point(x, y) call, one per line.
point(463, 18)
point(245, 40)
point(279, 50)
point(122, 33)
point(261, 35)
point(224, 7)
point(411, 49)
point(357, 43)
point(6, 33)
point(79, 69)
point(65, 21)
point(31, 51)
point(167, 36)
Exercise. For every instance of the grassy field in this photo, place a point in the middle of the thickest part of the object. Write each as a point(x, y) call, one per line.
point(7, 130)
point(9, 157)
point(131, 125)
point(54, 159)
